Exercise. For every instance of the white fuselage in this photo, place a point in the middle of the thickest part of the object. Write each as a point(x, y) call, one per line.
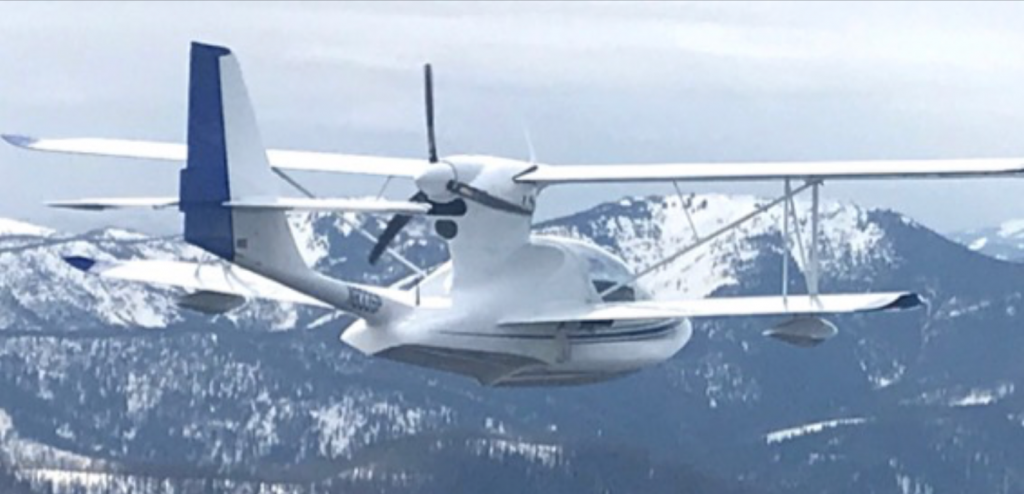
point(499, 272)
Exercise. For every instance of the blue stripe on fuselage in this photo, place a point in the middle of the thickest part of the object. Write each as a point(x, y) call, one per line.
point(204, 181)
point(583, 337)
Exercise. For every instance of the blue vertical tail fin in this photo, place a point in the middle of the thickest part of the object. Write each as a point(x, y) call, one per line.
point(204, 180)
point(227, 162)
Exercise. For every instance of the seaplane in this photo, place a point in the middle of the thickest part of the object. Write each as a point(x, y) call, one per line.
point(511, 307)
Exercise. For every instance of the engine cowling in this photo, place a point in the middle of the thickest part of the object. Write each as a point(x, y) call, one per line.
point(434, 181)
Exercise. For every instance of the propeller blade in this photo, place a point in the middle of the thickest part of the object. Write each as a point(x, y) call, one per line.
point(398, 221)
point(428, 95)
point(394, 226)
point(479, 196)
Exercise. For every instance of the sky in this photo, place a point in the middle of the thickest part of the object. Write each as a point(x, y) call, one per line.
point(589, 82)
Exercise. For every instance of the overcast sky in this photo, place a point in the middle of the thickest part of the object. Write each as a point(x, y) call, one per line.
point(594, 83)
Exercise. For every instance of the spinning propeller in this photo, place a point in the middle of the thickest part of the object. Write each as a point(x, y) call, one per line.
point(439, 182)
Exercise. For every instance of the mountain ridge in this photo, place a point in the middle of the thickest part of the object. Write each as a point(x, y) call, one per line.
point(919, 396)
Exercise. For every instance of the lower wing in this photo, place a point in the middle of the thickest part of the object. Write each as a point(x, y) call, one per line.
point(791, 305)
point(223, 279)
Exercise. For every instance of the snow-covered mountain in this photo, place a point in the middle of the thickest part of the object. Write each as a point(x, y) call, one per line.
point(923, 401)
point(1005, 241)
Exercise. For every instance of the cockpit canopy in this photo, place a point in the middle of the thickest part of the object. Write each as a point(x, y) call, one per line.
point(606, 271)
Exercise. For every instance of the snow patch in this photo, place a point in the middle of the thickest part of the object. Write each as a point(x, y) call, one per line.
point(1011, 228)
point(70, 481)
point(15, 227)
point(360, 419)
point(28, 454)
point(122, 234)
point(379, 474)
point(141, 395)
point(338, 425)
point(981, 397)
point(959, 309)
point(907, 483)
point(1016, 418)
point(812, 428)
point(6, 424)
point(494, 425)
point(882, 381)
point(978, 244)
point(548, 455)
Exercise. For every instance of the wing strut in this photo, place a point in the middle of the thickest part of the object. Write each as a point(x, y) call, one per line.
point(796, 231)
point(813, 264)
point(686, 209)
point(717, 233)
point(785, 243)
point(813, 268)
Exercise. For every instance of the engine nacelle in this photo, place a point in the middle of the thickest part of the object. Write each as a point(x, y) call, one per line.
point(803, 331)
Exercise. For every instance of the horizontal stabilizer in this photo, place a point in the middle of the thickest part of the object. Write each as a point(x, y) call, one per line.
point(278, 158)
point(372, 206)
point(216, 278)
point(104, 203)
point(792, 305)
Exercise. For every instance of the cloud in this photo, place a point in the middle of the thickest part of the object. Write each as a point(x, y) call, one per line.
point(595, 82)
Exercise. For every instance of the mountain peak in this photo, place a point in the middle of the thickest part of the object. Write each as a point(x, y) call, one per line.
point(12, 227)
point(1011, 228)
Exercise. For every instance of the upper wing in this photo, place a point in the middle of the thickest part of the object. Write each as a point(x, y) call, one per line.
point(547, 174)
point(219, 278)
point(792, 305)
point(282, 159)
point(772, 171)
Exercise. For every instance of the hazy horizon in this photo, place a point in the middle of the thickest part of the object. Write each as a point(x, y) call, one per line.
point(593, 83)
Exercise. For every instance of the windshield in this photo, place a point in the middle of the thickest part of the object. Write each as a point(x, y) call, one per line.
point(606, 271)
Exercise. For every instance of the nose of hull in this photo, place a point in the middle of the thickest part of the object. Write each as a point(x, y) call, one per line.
point(601, 357)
